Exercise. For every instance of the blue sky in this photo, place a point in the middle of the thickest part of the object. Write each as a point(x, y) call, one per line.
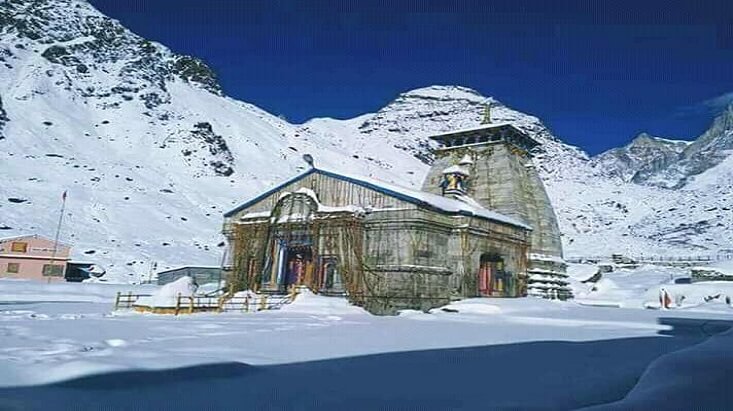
point(596, 72)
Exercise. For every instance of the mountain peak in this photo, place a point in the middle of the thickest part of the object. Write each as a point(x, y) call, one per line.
point(445, 92)
point(726, 115)
point(95, 54)
point(643, 139)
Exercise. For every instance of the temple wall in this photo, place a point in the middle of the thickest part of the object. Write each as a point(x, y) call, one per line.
point(404, 260)
point(393, 259)
point(547, 239)
point(420, 259)
point(470, 244)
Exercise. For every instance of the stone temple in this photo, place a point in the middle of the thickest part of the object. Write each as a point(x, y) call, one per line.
point(482, 226)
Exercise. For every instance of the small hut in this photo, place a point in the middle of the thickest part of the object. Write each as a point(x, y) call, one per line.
point(33, 257)
point(200, 274)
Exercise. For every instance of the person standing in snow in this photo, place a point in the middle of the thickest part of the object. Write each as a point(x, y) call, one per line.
point(665, 301)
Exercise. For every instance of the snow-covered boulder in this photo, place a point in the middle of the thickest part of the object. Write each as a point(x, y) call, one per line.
point(477, 306)
point(167, 295)
point(309, 303)
point(215, 288)
point(582, 272)
point(628, 288)
point(581, 277)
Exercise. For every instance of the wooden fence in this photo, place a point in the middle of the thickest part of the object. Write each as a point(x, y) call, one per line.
point(126, 300)
point(200, 303)
point(260, 302)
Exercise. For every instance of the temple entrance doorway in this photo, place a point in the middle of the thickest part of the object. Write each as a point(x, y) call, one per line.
point(331, 280)
point(298, 265)
point(491, 275)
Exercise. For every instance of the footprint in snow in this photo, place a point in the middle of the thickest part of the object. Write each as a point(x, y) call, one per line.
point(71, 316)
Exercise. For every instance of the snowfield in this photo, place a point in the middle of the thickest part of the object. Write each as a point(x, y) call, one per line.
point(57, 338)
point(639, 288)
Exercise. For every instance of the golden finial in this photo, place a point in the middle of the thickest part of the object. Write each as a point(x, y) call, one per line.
point(487, 114)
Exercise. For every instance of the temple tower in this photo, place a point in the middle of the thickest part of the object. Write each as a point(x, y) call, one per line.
point(492, 164)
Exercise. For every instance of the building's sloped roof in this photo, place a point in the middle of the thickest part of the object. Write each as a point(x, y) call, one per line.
point(19, 237)
point(186, 267)
point(435, 202)
point(482, 127)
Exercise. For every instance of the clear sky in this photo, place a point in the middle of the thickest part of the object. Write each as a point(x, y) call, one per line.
point(597, 72)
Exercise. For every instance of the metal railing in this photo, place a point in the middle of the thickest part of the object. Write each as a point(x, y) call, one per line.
point(654, 259)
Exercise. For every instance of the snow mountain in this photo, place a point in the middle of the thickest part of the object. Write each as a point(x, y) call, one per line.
point(706, 152)
point(149, 148)
point(152, 152)
point(644, 156)
point(670, 163)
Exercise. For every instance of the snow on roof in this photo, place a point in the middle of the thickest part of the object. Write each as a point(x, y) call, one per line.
point(310, 193)
point(256, 214)
point(269, 192)
point(455, 169)
point(725, 267)
point(181, 267)
point(439, 203)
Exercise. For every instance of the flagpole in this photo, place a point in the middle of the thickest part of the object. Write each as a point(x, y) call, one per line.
point(58, 232)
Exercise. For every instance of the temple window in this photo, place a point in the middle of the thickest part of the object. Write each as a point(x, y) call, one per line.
point(454, 180)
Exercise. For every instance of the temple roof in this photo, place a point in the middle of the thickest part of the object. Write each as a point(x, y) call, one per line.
point(482, 127)
point(444, 205)
point(486, 133)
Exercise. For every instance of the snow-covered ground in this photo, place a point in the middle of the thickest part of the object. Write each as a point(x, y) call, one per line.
point(640, 288)
point(67, 335)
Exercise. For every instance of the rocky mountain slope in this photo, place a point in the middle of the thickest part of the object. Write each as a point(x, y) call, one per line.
point(641, 158)
point(693, 210)
point(152, 151)
point(707, 151)
point(668, 163)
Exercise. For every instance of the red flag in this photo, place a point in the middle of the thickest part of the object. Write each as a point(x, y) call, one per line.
point(63, 196)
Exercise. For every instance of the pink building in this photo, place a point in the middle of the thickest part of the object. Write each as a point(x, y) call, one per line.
point(32, 257)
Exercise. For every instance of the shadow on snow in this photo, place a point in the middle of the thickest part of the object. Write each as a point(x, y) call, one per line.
point(532, 375)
